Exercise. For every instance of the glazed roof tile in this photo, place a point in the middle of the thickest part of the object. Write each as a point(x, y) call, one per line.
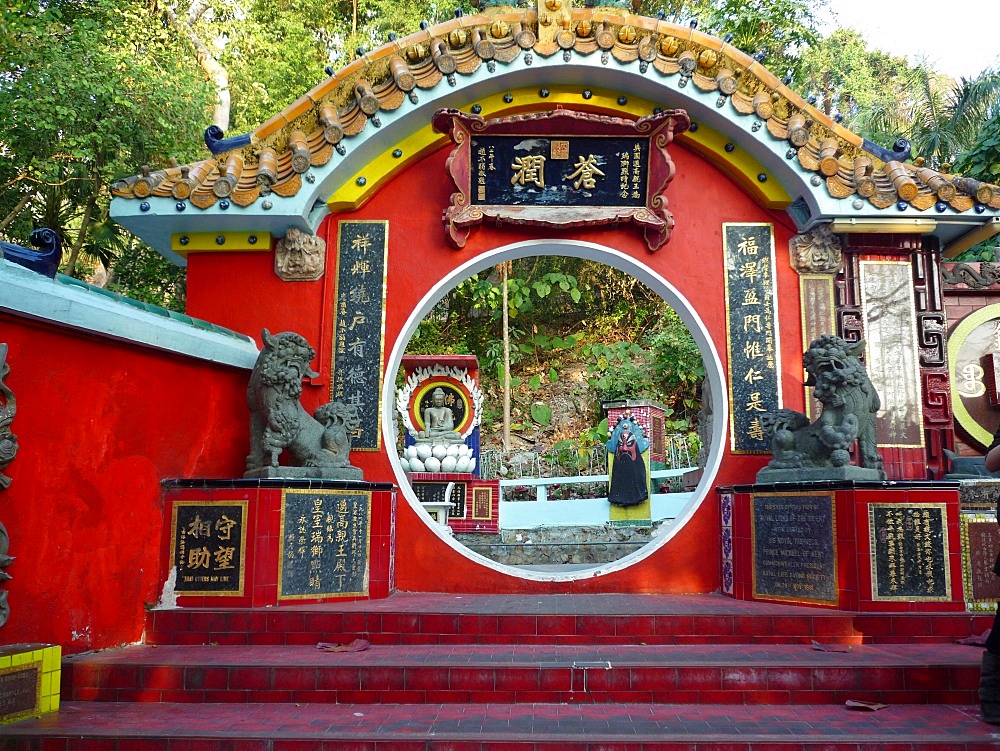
point(349, 101)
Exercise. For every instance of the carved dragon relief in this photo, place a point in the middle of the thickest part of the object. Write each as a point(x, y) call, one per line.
point(8, 448)
point(965, 273)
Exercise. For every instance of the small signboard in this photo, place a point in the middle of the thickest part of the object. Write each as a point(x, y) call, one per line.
point(980, 547)
point(793, 536)
point(360, 317)
point(325, 544)
point(560, 169)
point(29, 681)
point(20, 689)
point(208, 547)
point(482, 503)
point(752, 333)
point(909, 552)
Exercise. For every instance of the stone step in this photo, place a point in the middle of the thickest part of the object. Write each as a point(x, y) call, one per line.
point(563, 619)
point(478, 674)
point(88, 726)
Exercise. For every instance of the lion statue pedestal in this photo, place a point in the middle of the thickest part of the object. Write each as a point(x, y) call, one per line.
point(318, 445)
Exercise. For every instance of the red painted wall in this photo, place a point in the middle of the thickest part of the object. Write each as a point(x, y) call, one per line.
point(241, 291)
point(99, 424)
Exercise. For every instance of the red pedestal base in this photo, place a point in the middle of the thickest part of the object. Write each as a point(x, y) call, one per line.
point(860, 546)
point(259, 543)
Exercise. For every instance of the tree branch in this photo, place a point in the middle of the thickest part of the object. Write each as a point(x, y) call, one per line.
point(88, 211)
point(17, 209)
point(217, 74)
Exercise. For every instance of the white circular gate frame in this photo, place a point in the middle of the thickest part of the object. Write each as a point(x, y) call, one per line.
point(611, 257)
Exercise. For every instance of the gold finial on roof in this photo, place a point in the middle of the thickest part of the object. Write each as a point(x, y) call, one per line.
point(553, 17)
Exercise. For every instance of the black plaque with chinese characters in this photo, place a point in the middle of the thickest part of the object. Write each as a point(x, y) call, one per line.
point(324, 544)
point(208, 547)
point(435, 492)
point(560, 171)
point(909, 551)
point(752, 333)
point(794, 547)
point(358, 331)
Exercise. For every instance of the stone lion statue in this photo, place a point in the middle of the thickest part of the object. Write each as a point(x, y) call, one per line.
point(849, 401)
point(278, 421)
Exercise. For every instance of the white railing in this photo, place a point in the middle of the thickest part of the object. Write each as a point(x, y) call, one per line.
point(540, 484)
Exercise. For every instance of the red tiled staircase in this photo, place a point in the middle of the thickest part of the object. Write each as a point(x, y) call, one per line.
point(524, 673)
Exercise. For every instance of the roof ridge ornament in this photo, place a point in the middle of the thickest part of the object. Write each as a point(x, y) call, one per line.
point(217, 142)
point(900, 150)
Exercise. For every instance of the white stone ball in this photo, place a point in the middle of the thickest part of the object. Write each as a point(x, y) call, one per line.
point(423, 451)
point(464, 450)
point(416, 465)
point(453, 449)
point(440, 452)
point(462, 465)
point(472, 464)
point(433, 464)
point(448, 464)
point(405, 462)
point(411, 451)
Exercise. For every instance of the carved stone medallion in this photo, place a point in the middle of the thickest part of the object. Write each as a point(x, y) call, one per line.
point(299, 257)
point(816, 252)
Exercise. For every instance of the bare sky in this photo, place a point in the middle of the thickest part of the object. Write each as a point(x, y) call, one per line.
point(960, 37)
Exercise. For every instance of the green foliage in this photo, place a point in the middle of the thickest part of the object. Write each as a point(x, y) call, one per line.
point(595, 436)
point(664, 366)
point(89, 91)
point(618, 371)
point(568, 456)
point(853, 81)
point(523, 293)
point(982, 160)
point(541, 413)
point(142, 273)
point(946, 116)
point(780, 29)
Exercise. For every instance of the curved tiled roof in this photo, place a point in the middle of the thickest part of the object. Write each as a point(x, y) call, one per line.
point(275, 157)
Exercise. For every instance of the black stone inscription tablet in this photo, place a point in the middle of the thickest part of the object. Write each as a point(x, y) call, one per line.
point(751, 332)
point(560, 171)
point(208, 542)
point(435, 491)
point(794, 550)
point(358, 341)
point(324, 544)
point(909, 552)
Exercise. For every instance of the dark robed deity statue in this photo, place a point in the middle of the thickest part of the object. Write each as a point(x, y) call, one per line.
point(629, 484)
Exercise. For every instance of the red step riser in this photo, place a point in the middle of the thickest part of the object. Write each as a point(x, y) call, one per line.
point(297, 628)
point(253, 744)
point(478, 685)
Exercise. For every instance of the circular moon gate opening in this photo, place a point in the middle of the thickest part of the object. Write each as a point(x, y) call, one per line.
point(716, 403)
